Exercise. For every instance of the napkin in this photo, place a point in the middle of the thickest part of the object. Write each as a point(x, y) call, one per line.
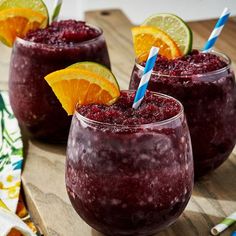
point(11, 224)
point(11, 159)
point(11, 155)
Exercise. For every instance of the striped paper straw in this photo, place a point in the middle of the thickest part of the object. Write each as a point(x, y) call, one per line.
point(217, 29)
point(140, 93)
point(224, 224)
point(56, 9)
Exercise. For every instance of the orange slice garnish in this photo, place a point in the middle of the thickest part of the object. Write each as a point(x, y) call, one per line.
point(16, 22)
point(78, 86)
point(144, 37)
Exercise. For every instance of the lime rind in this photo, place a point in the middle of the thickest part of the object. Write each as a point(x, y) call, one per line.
point(175, 27)
point(97, 69)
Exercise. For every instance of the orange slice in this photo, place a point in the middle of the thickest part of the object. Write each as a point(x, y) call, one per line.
point(16, 22)
point(145, 37)
point(78, 86)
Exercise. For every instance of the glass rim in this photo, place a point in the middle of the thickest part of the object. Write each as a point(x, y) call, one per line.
point(31, 43)
point(157, 123)
point(214, 72)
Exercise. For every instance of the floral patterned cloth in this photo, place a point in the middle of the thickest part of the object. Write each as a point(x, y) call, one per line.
point(11, 155)
point(14, 217)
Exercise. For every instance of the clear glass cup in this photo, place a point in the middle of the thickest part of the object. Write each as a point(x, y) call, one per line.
point(33, 101)
point(209, 102)
point(129, 180)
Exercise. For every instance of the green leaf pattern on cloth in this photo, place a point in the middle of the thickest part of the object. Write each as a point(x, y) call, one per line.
point(11, 154)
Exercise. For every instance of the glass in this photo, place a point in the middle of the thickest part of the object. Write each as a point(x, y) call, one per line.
point(209, 101)
point(129, 180)
point(33, 101)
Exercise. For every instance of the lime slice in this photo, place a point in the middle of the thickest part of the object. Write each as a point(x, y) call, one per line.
point(97, 69)
point(35, 5)
point(175, 27)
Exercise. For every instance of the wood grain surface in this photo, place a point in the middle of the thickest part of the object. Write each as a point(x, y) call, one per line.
point(214, 197)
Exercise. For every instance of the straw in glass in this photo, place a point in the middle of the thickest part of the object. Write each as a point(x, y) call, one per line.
point(56, 9)
point(217, 29)
point(140, 93)
point(224, 224)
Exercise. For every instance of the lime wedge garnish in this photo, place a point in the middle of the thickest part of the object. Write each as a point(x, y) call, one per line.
point(175, 27)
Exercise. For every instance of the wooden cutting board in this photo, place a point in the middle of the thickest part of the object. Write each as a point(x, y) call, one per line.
point(214, 197)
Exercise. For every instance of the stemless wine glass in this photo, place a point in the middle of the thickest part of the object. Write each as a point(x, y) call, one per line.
point(209, 101)
point(33, 101)
point(129, 179)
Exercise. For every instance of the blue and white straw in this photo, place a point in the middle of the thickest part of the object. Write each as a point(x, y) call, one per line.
point(56, 10)
point(216, 32)
point(140, 93)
